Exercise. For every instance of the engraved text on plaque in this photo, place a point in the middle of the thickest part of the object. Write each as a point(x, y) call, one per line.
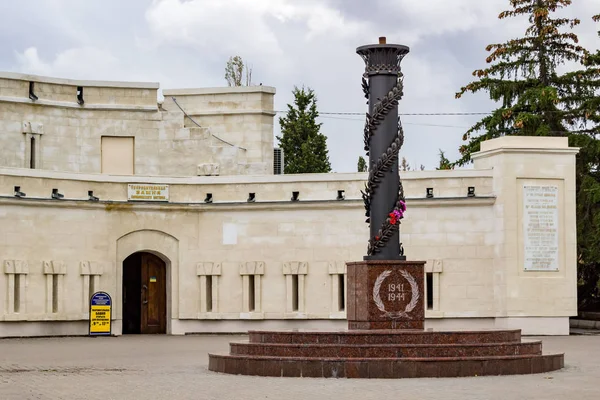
point(540, 225)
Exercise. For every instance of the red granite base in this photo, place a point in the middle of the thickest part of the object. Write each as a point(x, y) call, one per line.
point(382, 368)
point(367, 325)
point(386, 295)
point(385, 339)
point(385, 354)
point(385, 350)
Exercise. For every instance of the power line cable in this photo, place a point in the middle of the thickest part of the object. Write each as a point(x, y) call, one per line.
point(403, 122)
point(434, 114)
point(402, 114)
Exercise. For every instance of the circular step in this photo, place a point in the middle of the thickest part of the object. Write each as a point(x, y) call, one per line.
point(385, 350)
point(386, 337)
point(382, 368)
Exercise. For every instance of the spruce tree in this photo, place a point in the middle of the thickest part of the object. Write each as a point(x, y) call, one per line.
point(444, 162)
point(304, 147)
point(585, 106)
point(522, 77)
point(536, 100)
point(362, 164)
point(582, 93)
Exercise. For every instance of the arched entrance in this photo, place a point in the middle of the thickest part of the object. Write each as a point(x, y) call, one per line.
point(144, 294)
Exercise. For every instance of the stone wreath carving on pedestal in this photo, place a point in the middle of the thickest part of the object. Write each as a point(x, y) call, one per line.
point(409, 307)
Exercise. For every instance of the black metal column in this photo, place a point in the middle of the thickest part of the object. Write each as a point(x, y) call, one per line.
point(383, 137)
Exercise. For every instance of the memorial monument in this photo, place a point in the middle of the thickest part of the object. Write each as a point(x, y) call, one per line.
point(393, 295)
point(386, 336)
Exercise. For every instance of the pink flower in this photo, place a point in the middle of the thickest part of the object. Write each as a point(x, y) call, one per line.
point(402, 205)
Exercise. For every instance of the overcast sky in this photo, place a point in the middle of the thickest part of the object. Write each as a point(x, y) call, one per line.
point(186, 43)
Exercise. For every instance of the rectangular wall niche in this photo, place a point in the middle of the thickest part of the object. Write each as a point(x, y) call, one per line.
point(16, 271)
point(209, 273)
point(337, 272)
point(295, 273)
point(433, 269)
point(90, 272)
point(252, 273)
point(55, 285)
point(33, 135)
point(429, 290)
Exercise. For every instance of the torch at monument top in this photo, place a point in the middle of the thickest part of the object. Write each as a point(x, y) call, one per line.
point(383, 57)
point(383, 137)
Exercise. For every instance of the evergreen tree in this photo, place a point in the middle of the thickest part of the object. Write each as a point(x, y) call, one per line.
point(362, 164)
point(304, 147)
point(444, 162)
point(536, 100)
point(585, 103)
point(582, 93)
point(523, 77)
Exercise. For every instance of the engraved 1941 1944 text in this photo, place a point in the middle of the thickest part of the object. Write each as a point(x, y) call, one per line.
point(396, 292)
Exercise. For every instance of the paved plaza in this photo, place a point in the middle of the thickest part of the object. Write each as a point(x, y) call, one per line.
point(175, 367)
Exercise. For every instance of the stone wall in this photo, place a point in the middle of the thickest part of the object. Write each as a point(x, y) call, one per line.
point(473, 245)
point(242, 116)
point(60, 134)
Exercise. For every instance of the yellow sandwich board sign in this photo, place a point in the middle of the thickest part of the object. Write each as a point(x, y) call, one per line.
point(100, 314)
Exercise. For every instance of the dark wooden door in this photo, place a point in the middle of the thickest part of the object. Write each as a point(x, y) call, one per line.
point(132, 287)
point(154, 294)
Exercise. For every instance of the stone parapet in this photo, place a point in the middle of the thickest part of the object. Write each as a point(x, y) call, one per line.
point(76, 93)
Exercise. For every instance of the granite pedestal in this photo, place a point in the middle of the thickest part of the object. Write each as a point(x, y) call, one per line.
point(385, 339)
point(385, 354)
point(386, 295)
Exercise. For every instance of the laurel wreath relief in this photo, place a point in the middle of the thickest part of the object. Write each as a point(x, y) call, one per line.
point(409, 307)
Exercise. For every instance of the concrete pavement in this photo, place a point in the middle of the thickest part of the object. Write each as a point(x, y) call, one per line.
point(175, 367)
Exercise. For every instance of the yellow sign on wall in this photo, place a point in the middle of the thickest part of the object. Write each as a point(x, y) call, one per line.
point(147, 192)
point(100, 314)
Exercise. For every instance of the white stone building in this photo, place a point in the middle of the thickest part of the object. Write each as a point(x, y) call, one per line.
point(189, 230)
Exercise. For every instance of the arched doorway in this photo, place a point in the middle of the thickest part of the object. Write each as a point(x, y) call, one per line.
point(144, 294)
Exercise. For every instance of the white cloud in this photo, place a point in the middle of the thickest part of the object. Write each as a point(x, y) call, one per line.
point(185, 43)
point(240, 25)
point(75, 63)
point(212, 25)
point(421, 18)
point(30, 62)
point(323, 21)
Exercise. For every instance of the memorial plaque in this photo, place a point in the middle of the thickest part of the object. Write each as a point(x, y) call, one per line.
point(540, 226)
point(143, 192)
